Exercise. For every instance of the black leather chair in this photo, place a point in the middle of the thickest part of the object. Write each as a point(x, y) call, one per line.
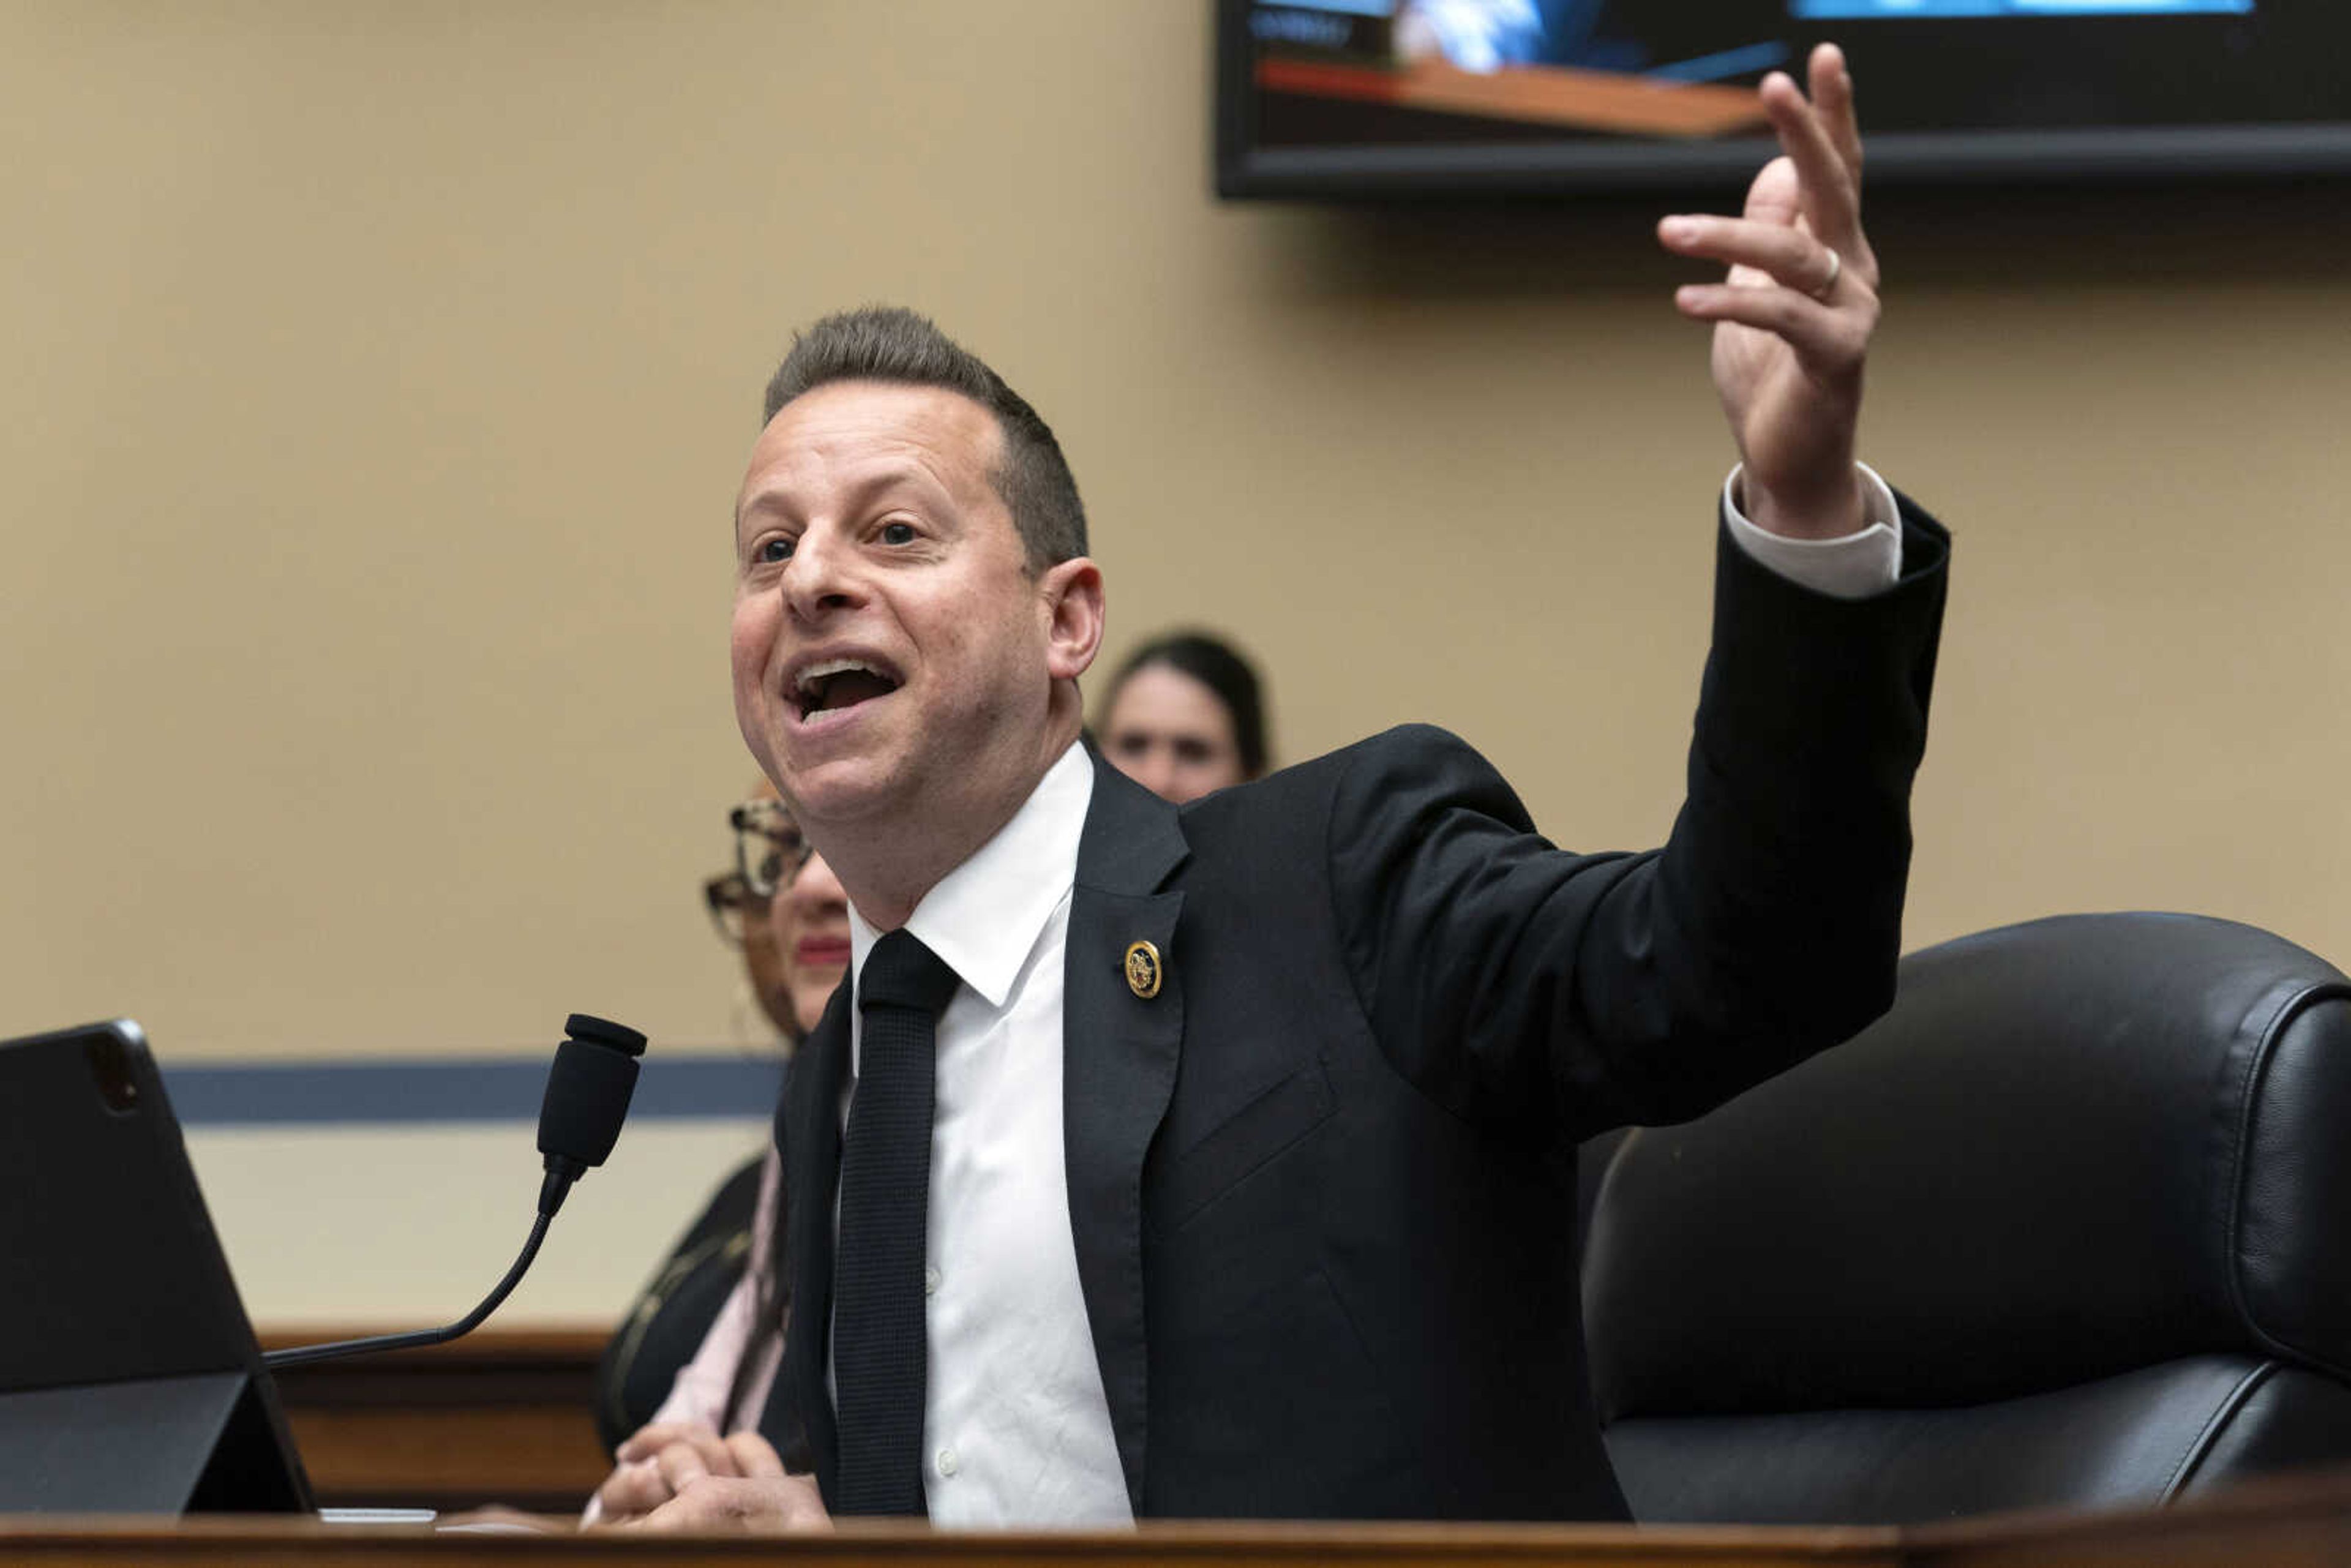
point(2070, 1226)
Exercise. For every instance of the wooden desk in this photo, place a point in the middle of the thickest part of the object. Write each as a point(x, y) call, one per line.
point(501, 1416)
point(109, 1544)
point(2302, 1524)
point(504, 1416)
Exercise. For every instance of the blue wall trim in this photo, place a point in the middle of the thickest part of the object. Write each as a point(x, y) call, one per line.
point(473, 1088)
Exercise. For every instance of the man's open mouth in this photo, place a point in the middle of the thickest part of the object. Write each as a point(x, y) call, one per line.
point(831, 684)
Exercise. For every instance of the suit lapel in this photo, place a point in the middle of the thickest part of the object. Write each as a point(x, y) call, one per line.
point(1119, 1052)
point(798, 1417)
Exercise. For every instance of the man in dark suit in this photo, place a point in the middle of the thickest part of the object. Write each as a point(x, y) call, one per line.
point(1234, 1175)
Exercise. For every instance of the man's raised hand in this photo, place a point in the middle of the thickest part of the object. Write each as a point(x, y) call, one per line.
point(1793, 317)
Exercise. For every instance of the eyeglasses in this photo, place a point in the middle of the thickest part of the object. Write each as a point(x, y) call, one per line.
point(769, 848)
point(733, 906)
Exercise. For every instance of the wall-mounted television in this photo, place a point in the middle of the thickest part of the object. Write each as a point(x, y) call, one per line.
point(1429, 98)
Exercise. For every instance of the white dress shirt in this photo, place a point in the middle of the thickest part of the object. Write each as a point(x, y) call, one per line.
point(1852, 567)
point(1015, 1428)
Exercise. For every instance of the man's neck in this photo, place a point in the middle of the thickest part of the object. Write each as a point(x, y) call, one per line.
point(888, 872)
point(892, 876)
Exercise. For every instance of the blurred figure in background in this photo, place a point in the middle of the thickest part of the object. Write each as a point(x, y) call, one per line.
point(745, 922)
point(790, 919)
point(1183, 717)
point(702, 1341)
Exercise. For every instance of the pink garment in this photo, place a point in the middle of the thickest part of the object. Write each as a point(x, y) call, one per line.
point(698, 1396)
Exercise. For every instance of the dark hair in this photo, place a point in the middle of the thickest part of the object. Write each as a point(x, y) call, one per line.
point(887, 343)
point(1217, 666)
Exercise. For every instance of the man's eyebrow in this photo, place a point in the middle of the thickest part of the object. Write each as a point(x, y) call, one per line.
point(861, 491)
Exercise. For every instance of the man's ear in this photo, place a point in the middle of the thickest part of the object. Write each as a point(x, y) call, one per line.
point(1071, 591)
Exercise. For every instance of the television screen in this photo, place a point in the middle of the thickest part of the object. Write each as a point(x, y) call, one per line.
point(1342, 98)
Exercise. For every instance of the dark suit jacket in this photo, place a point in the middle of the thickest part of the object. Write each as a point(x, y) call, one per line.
point(1322, 1184)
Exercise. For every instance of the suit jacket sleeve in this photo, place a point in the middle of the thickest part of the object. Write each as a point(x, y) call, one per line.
point(1515, 982)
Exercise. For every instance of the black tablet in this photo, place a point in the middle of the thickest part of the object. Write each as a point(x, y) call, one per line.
point(129, 1379)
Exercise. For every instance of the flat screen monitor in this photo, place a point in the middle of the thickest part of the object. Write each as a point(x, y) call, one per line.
point(1340, 98)
point(130, 1380)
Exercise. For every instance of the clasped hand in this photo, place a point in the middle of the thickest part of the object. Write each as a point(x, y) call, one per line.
point(688, 1478)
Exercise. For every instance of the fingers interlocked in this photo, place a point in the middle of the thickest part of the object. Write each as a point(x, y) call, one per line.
point(660, 1462)
point(732, 1484)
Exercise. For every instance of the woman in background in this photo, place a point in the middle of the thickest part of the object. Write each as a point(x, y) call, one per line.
point(782, 907)
point(695, 1357)
point(1183, 716)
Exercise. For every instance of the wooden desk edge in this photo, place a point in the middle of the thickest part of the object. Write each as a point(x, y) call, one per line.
point(109, 1541)
point(2301, 1521)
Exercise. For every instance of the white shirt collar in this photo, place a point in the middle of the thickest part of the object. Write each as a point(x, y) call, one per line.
point(984, 917)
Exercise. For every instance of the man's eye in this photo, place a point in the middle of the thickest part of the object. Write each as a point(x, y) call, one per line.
point(774, 550)
point(1193, 752)
point(897, 533)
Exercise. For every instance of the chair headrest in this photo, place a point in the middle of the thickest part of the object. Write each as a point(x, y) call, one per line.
point(2074, 1146)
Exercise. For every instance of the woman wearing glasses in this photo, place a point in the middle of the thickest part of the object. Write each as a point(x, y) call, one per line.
point(782, 907)
point(695, 1357)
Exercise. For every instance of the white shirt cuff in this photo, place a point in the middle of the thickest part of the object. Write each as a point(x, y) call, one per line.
point(1852, 567)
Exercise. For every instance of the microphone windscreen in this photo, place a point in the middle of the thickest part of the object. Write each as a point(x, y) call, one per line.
point(588, 1089)
point(604, 1031)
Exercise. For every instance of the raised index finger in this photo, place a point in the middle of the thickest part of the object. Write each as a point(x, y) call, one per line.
point(1831, 85)
point(1827, 194)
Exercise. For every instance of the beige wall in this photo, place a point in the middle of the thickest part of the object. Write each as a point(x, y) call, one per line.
point(401, 1226)
point(381, 372)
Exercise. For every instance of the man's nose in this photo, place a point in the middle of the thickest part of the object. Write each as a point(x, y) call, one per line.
point(821, 575)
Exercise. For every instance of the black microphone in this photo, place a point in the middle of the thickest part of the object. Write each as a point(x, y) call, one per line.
point(588, 1092)
point(587, 1097)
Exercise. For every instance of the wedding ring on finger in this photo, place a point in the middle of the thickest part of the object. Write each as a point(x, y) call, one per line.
point(1837, 271)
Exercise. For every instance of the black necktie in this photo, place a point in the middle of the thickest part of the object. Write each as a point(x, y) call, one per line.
point(878, 1348)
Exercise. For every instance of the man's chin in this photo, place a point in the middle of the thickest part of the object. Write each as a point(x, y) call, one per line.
point(840, 790)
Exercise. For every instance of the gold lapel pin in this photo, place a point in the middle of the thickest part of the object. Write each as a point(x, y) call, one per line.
point(1142, 969)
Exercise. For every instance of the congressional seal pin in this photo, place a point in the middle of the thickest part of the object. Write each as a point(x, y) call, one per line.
point(1142, 969)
